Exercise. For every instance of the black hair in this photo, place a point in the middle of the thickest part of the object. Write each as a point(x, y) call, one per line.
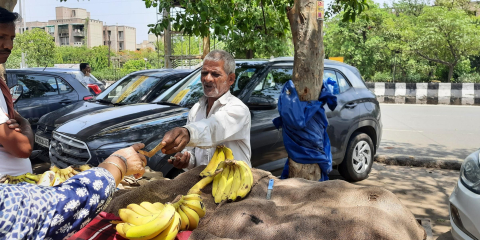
point(7, 16)
point(83, 66)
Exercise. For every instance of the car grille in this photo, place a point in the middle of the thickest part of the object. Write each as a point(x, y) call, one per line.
point(64, 149)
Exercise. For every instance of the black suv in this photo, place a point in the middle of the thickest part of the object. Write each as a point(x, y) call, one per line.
point(355, 127)
point(137, 87)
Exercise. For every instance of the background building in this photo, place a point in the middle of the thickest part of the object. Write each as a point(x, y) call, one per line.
point(73, 27)
point(150, 43)
point(120, 37)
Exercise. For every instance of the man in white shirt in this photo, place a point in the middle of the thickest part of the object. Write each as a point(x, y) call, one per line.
point(218, 118)
point(85, 69)
point(16, 136)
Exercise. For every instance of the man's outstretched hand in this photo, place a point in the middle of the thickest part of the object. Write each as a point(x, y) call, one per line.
point(175, 140)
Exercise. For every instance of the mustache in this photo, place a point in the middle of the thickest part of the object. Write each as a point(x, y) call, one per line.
point(5, 51)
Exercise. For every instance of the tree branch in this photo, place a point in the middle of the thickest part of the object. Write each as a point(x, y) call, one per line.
point(432, 59)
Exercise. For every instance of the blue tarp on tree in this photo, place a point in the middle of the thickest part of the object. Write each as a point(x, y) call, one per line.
point(305, 125)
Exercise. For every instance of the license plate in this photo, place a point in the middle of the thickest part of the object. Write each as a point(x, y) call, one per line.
point(42, 141)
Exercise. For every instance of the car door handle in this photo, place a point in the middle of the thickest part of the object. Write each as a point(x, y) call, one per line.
point(350, 105)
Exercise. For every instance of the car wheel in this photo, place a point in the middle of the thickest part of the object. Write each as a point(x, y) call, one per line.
point(358, 160)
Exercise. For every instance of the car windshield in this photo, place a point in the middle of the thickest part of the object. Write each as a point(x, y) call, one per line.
point(131, 89)
point(187, 92)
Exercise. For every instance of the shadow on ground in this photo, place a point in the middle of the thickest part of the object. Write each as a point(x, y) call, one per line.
point(429, 150)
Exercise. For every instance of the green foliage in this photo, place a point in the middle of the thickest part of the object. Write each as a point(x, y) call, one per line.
point(97, 57)
point(469, 78)
point(417, 41)
point(134, 65)
point(108, 74)
point(381, 77)
point(442, 36)
point(38, 45)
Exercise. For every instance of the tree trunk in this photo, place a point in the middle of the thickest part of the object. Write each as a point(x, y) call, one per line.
point(450, 72)
point(308, 66)
point(167, 44)
point(206, 46)
point(249, 54)
point(9, 5)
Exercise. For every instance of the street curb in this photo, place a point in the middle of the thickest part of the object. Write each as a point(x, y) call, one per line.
point(419, 161)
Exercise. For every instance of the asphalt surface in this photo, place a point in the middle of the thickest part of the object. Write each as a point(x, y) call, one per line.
point(439, 131)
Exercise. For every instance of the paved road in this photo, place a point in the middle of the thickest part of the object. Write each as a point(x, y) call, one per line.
point(441, 131)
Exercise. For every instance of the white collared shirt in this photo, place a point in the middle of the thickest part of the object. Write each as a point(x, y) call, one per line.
point(228, 123)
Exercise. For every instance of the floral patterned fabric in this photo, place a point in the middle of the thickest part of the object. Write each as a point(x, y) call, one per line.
point(29, 211)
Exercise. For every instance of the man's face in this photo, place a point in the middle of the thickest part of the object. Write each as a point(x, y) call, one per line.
point(87, 69)
point(7, 34)
point(215, 80)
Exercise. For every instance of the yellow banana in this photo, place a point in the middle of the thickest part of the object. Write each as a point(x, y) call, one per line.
point(150, 207)
point(222, 183)
point(216, 179)
point(237, 182)
point(192, 197)
point(171, 232)
point(159, 206)
point(154, 227)
point(228, 153)
point(84, 167)
point(228, 186)
point(211, 165)
point(247, 179)
point(200, 185)
point(196, 206)
point(57, 180)
point(139, 209)
point(32, 177)
point(119, 229)
point(193, 217)
point(134, 218)
point(54, 169)
point(28, 180)
point(185, 221)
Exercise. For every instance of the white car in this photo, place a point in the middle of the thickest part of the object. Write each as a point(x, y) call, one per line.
point(465, 200)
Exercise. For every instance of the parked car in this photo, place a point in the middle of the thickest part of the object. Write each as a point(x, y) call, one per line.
point(45, 91)
point(138, 87)
point(465, 201)
point(95, 86)
point(355, 125)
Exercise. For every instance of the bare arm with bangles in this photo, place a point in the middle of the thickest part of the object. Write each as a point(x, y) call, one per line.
point(134, 165)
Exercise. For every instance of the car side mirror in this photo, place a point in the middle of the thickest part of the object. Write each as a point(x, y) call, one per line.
point(261, 103)
point(16, 91)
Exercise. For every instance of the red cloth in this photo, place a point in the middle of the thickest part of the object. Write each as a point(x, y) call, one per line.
point(100, 228)
point(8, 98)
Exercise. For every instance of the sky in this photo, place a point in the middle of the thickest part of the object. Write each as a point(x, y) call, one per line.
point(131, 13)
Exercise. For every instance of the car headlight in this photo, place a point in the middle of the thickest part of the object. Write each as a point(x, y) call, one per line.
point(470, 172)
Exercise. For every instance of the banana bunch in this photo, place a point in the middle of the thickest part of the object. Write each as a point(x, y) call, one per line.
point(27, 177)
point(191, 209)
point(234, 182)
point(61, 175)
point(221, 154)
point(153, 223)
point(157, 221)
